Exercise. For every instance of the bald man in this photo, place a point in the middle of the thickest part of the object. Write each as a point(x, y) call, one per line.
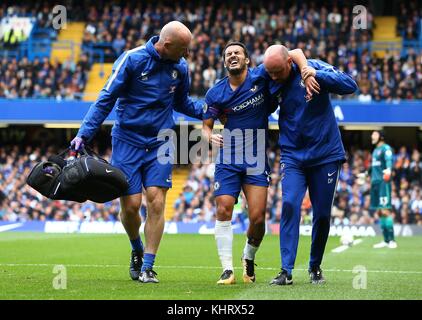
point(147, 83)
point(244, 100)
point(311, 152)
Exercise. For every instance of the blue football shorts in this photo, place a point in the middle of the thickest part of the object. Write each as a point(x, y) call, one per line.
point(143, 167)
point(228, 179)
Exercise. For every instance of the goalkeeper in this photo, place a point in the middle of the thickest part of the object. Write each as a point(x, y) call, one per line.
point(380, 172)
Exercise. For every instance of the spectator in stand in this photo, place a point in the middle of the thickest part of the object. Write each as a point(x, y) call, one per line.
point(401, 165)
point(415, 169)
point(364, 96)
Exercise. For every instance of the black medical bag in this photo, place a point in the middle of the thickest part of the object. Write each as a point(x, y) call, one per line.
point(84, 176)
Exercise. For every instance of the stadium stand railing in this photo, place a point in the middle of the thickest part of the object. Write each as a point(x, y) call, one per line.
point(392, 46)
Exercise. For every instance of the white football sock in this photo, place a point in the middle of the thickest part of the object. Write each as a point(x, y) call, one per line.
point(224, 240)
point(249, 251)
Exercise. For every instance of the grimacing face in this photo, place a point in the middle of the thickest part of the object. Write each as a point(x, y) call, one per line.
point(235, 59)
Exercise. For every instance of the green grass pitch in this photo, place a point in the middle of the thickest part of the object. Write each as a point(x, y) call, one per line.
point(188, 268)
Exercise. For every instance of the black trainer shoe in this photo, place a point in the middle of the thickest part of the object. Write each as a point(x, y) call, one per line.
point(148, 275)
point(282, 279)
point(136, 261)
point(227, 277)
point(248, 270)
point(315, 275)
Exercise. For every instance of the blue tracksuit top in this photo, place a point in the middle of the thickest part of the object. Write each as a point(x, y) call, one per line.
point(309, 133)
point(145, 89)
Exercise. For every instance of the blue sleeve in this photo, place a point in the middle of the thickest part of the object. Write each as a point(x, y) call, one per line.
point(332, 79)
point(111, 91)
point(183, 102)
point(211, 110)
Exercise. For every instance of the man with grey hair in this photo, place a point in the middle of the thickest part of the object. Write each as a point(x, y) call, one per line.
point(146, 84)
point(311, 152)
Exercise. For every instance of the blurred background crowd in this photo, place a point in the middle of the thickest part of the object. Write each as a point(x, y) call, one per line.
point(196, 203)
point(322, 29)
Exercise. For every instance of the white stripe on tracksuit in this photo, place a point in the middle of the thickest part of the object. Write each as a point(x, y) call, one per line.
point(114, 75)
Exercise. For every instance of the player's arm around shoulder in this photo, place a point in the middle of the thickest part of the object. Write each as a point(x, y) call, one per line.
point(332, 79)
point(307, 71)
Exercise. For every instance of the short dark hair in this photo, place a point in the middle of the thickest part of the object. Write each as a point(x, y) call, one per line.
point(236, 43)
point(381, 133)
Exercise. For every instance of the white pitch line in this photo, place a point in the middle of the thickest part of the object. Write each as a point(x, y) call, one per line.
point(185, 267)
point(340, 249)
point(344, 247)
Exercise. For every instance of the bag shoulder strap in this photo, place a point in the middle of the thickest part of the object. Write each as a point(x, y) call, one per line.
point(90, 152)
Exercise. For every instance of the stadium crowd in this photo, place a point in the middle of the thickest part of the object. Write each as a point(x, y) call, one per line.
point(323, 31)
point(196, 203)
point(42, 79)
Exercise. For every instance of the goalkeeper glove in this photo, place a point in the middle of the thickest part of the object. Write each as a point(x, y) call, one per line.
point(386, 175)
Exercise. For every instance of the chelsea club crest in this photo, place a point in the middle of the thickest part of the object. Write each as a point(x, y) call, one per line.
point(174, 74)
